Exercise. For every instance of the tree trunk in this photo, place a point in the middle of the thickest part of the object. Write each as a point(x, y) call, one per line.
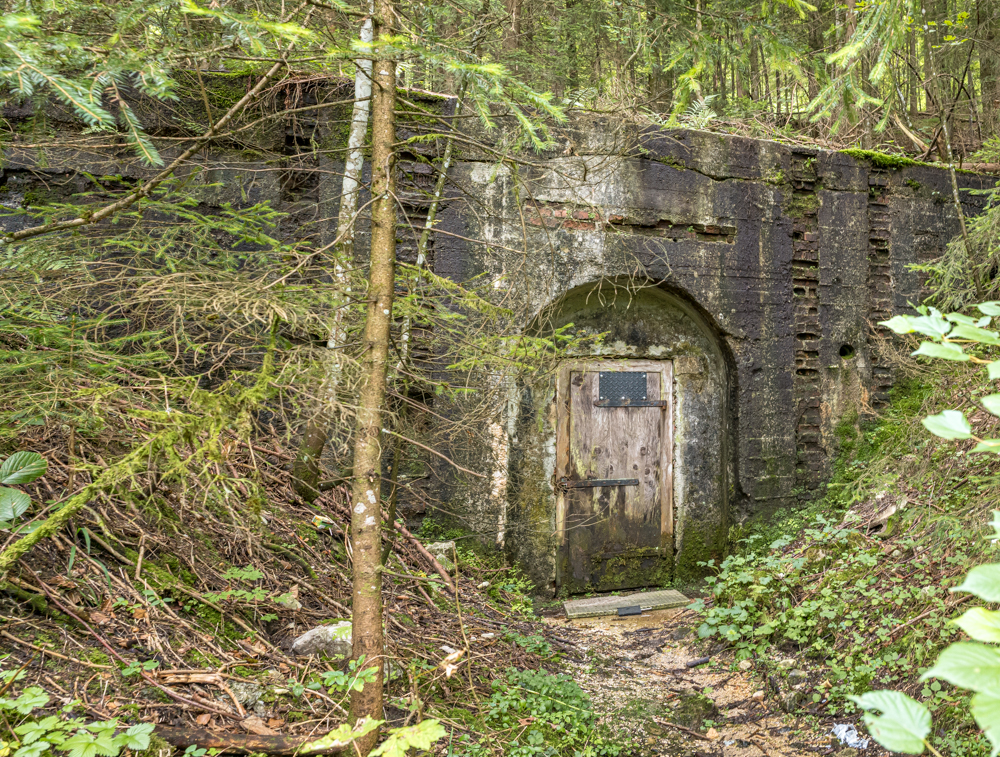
point(305, 471)
point(366, 527)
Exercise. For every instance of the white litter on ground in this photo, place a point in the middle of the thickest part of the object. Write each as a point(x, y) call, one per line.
point(848, 736)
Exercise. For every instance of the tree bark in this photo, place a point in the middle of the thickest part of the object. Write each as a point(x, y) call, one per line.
point(366, 527)
point(305, 471)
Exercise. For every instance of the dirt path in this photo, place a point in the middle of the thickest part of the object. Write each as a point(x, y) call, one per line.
point(636, 672)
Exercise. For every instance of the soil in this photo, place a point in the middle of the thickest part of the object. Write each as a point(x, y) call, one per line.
point(636, 671)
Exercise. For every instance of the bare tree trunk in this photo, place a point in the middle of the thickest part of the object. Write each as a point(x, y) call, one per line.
point(305, 471)
point(366, 526)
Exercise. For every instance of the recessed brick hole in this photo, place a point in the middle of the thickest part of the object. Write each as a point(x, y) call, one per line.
point(846, 351)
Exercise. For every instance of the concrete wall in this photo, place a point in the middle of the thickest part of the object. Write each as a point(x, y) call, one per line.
point(764, 266)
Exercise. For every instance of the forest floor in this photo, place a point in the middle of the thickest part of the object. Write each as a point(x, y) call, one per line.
point(641, 676)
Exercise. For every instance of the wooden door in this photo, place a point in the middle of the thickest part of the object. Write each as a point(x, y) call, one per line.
point(614, 428)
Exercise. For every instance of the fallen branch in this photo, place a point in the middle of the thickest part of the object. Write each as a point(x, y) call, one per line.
point(427, 556)
point(667, 723)
point(242, 743)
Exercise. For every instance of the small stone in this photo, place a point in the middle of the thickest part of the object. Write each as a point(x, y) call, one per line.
point(247, 694)
point(745, 665)
point(758, 696)
point(786, 663)
point(442, 552)
point(484, 585)
point(797, 676)
point(333, 639)
point(712, 734)
point(792, 700)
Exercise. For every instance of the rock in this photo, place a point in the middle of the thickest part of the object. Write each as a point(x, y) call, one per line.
point(247, 694)
point(692, 710)
point(797, 676)
point(443, 552)
point(334, 639)
point(786, 663)
point(791, 700)
point(758, 696)
point(745, 665)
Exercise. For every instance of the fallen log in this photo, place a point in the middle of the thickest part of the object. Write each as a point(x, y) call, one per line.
point(242, 743)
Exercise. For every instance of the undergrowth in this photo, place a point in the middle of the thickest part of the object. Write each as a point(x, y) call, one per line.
point(856, 584)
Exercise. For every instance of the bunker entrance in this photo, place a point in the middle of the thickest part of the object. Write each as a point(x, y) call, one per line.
point(614, 447)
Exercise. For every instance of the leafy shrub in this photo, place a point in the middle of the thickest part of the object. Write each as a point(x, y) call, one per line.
point(905, 724)
point(28, 736)
point(539, 714)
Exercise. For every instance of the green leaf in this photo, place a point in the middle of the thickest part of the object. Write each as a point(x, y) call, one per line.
point(969, 665)
point(80, 745)
point(903, 725)
point(340, 736)
point(988, 445)
point(136, 738)
point(983, 581)
point(421, 736)
point(22, 468)
point(986, 710)
point(929, 325)
point(946, 351)
point(950, 424)
point(35, 749)
point(989, 308)
point(31, 698)
point(992, 403)
point(13, 503)
point(993, 369)
point(975, 334)
point(981, 624)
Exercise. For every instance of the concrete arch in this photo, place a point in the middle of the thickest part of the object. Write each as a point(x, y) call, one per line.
point(641, 321)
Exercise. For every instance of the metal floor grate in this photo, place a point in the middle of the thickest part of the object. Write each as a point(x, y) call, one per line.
point(606, 605)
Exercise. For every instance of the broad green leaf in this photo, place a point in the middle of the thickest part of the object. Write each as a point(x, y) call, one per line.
point(986, 710)
point(988, 445)
point(992, 403)
point(975, 334)
point(929, 325)
point(993, 369)
point(34, 749)
point(983, 580)
point(80, 745)
point(959, 318)
point(995, 523)
point(421, 736)
point(969, 665)
point(903, 724)
point(136, 738)
point(981, 624)
point(31, 698)
point(950, 424)
point(989, 308)
point(13, 503)
point(22, 468)
point(946, 351)
point(340, 736)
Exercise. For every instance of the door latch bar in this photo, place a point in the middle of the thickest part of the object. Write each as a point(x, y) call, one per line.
point(626, 402)
point(593, 483)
